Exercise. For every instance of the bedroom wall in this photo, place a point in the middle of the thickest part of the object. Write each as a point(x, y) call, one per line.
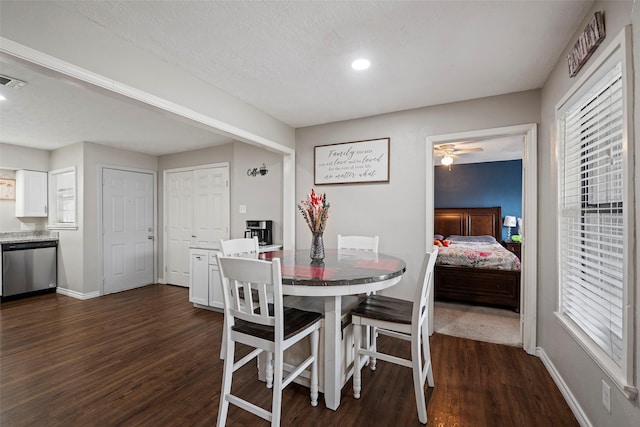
point(481, 185)
point(581, 374)
point(396, 210)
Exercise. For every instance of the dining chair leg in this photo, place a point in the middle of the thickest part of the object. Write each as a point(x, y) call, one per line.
point(315, 336)
point(357, 375)
point(418, 384)
point(426, 350)
point(276, 404)
point(223, 345)
point(227, 375)
point(269, 369)
point(373, 347)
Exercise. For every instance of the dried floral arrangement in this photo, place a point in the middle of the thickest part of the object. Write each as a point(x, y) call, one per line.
point(315, 210)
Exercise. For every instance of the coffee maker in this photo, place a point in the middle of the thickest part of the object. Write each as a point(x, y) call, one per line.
point(263, 229)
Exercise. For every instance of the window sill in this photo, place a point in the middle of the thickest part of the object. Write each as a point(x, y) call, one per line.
point(62, 227)
point(615, 373)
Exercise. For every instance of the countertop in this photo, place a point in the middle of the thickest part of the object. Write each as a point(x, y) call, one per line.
point(267, 248)
point(27, 236)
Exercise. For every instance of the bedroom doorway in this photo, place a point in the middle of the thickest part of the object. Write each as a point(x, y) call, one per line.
point(528, 291)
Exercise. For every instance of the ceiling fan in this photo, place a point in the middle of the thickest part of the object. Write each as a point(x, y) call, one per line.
point(449, 151)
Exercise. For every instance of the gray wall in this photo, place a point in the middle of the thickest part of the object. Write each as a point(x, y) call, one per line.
point(396, 210)
point(12, 158)
point(579, 371)
point(262, 195)
point(95, 155)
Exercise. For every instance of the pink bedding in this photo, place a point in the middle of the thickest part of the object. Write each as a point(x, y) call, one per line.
point(478, 255)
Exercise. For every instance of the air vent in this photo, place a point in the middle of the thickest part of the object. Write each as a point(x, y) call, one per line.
point(11, 82)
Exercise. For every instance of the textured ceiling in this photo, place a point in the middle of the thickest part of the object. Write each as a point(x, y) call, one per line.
point(292, 59)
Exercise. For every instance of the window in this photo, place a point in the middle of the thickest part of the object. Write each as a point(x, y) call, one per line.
point(62, 198)
point(595, 212)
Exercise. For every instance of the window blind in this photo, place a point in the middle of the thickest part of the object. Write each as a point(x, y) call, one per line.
point(591, 213)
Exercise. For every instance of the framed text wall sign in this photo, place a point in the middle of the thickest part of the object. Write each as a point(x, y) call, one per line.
point(352, 162)
point(586, 44)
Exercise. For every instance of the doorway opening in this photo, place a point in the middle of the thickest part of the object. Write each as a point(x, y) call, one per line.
point(528, 291)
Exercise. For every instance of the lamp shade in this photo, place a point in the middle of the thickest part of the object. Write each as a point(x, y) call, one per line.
point(509, 221)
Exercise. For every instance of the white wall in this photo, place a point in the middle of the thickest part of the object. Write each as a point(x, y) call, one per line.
point(581, 374)
point(396, 210)
point(71, 242)
point(12, 158)
point(262, 195)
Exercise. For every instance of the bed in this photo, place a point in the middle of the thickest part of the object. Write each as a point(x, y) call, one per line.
point(472, 269)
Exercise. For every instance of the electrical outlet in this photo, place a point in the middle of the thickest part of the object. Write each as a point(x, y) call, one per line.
point(606, 396)
point(243, 208)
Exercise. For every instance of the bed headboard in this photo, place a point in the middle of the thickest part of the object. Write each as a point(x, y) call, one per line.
point(468, 222)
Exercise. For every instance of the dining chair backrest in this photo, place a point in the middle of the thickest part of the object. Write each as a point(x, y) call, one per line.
point(423, 291)
point(246, 248)
point(239, 276)
point(362, 243)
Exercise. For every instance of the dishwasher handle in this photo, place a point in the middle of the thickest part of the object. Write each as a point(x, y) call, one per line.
point(20, 246)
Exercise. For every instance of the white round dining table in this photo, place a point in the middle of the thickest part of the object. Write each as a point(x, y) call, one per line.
point(340, 273)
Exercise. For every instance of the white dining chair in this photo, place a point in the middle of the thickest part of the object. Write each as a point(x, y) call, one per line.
point(246, 248)
point(406, 320)
point(267, 327)
point(363, 243)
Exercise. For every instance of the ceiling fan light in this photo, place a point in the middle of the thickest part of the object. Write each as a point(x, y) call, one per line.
point(447, 160)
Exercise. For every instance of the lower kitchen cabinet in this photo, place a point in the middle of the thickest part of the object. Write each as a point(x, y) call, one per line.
point(205, 288)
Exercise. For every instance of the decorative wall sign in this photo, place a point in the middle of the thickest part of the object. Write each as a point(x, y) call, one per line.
point(352, 162)
point(586, 44)
point(7, 189)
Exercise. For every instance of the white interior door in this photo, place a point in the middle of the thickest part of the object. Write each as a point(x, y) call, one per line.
point(211, 206)
point(128, 229)
point(196, 214)
point(179, 230)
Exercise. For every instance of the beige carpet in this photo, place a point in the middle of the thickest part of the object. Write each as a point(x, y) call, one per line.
point(477, 323)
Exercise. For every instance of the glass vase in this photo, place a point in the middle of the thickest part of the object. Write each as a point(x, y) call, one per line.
point(317, 247)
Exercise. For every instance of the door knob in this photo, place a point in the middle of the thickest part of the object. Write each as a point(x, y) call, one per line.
point(150, 237)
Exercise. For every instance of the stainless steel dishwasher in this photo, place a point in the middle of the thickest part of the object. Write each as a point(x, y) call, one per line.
point(29, 267)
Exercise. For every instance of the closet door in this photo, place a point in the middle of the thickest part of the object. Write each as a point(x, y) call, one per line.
point(197, 215)
point(179, 236)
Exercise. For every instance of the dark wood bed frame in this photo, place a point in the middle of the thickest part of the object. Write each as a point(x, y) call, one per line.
point(475, 285)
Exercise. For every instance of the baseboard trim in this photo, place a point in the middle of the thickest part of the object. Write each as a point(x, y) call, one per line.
point(161, 281)
point(76, 294)
point(581, 417)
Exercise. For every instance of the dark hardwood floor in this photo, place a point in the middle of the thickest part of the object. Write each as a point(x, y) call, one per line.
point(147, 357)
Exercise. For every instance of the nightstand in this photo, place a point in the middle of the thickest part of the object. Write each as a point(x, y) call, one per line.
point(514, 247)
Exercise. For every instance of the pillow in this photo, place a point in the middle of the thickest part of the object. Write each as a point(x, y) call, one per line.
point(440, 242)
point(438, 236)
point(475, 239)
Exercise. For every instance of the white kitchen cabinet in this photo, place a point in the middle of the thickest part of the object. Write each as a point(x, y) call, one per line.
point(205, 288)
point(31, 193)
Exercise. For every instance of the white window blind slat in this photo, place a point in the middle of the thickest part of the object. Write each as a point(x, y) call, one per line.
point(591, 213)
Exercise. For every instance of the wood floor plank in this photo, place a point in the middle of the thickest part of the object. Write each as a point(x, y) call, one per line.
point(147, 357)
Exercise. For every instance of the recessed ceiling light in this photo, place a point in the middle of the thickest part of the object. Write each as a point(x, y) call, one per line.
point(2, 98)
point(360, 64)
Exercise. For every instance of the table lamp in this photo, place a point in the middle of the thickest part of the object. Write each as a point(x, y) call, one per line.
point(509, 221)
